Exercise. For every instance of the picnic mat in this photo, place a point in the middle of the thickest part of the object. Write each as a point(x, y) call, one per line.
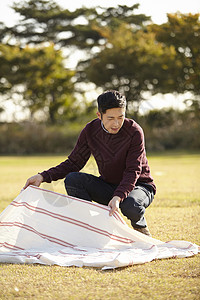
point(45, 227)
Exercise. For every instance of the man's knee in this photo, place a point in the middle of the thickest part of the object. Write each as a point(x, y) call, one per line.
point(76, 185)
point(71, 179)
point(132, 211)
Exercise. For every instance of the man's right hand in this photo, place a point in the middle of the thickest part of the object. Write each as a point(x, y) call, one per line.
point(34, 180)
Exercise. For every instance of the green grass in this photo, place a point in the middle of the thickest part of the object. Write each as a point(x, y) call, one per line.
point(174, 214)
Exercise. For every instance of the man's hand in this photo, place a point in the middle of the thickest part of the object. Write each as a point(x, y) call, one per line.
point(114, 205)
point(34, 180)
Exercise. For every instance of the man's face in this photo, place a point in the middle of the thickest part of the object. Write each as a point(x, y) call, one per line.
point(113, 119)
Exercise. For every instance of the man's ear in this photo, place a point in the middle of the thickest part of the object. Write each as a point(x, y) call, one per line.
point(99, 115)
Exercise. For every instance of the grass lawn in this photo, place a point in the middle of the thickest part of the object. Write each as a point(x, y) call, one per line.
point(174, 214)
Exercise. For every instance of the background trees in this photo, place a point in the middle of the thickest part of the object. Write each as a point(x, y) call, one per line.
point(183, 33)
point(130, 61)
point(121, 49)
point(117, 49)
point(39, 76)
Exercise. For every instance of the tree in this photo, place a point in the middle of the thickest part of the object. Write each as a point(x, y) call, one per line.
point(39, 75)
point(44, 20)
point(131, 61)
point(123, 50)
point(159, 59)
point(182, 31)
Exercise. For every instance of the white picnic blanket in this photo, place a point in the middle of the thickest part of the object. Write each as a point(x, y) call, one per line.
point(45, 227)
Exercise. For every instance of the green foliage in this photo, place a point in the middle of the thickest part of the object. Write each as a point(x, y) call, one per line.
point(131, 62)
point(31, 138)
point(39, 75)
point(182, 32)
point(164, 130)
point(161, 118)
point(83, 28)
point(123, 51)
point(171, 129)
point(161, 59)
point(45, 20)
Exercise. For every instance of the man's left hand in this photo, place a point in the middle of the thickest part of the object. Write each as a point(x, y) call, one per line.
point(114, 205)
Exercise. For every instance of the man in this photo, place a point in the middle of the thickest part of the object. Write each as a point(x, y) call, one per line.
point(117, 144)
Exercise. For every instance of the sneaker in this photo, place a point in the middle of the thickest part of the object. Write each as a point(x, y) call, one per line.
point(143, 230)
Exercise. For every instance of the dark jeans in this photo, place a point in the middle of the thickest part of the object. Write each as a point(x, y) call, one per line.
point(90, 187)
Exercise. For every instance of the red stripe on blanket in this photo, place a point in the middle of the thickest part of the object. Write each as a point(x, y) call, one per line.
point(73, 221)
point(9, 246)
point(182, 248)
point(42, 235)
point(51, 238)
point(104, 207)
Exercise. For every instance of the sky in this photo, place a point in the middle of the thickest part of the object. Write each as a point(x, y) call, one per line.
point(156, 9)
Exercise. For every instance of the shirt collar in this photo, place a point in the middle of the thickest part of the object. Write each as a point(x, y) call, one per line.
point(104, 127)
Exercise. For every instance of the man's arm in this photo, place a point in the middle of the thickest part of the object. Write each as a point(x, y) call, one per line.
point(75, 162)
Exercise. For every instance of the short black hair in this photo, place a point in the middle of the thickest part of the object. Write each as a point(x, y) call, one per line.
point(110, 99)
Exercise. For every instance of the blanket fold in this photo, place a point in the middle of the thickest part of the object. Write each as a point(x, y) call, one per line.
point(45, 227)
